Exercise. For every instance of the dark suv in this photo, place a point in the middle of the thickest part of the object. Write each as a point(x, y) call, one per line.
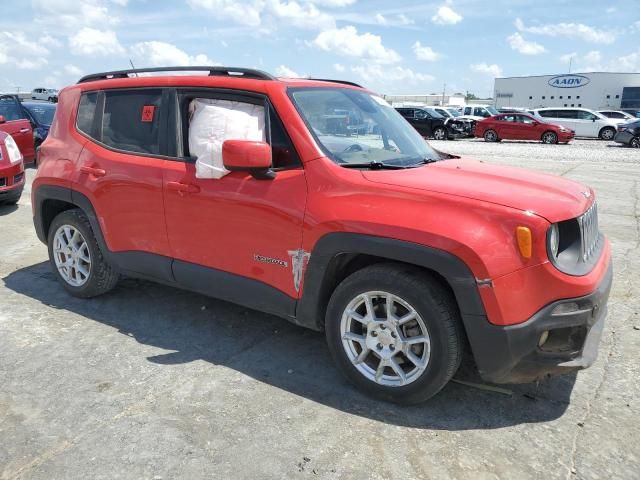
point(427, 122)
point(235, 185)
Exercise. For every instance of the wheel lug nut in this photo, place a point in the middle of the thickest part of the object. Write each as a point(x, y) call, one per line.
point(383, 327)
point(393, 334)
point(379, 346)
point(374, 333)
point(392, 347)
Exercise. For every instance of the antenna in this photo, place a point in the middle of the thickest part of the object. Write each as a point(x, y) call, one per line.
point(132, 66)
point(570, 62)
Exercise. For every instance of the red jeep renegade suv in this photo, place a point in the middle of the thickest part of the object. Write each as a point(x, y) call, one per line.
point(244, 187)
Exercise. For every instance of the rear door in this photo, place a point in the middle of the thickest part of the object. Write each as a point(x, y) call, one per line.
point(17, 125)
point(120, 170)
point(585, 123)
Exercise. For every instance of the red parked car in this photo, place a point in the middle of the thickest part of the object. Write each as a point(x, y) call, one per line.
point(15, 121)
point(521, 126)
point(11, 170)
point(235, 185)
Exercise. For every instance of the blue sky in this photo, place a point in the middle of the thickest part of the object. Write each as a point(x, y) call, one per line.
point(398, 46)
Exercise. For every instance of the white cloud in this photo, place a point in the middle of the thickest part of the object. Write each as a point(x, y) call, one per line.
point(567, 57)
point(70, 15)
point(492, 70)
point(90, 41)
point(286, 72)
point(333, 3)
point(301, 15)
point(73, 70)
point(574, 30)
point(380, 19)
point(248, 13)
point(519, 44)
point(338, 67)
point(425, 53)
point(446, 16)
point(593, 62)
point(17, 50)
point(162, 54)
point(390, 76)
point(347, 42)
point(399, 20)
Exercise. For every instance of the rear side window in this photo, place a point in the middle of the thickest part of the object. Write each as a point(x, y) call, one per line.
point(131, 120)
point(10, 109)
point(86, 113)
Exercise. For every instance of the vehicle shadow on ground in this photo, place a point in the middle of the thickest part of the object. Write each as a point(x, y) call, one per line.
point(7, 209)
point(271, 350)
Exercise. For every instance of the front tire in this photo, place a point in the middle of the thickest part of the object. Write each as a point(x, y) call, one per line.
point(490, 136)
point(635, 142)
point(76, 258)
point(394, 331)
point(549, 138)
point(607, 133)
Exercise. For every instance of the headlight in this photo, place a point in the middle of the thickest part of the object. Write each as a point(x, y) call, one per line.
point(12, 149)
point(553, 240)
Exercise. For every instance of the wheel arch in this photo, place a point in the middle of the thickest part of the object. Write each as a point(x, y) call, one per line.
point(337, 255)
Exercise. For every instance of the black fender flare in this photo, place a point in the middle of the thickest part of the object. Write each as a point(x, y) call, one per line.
point(312, 305)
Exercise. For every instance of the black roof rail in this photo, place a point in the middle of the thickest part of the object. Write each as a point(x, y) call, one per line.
point(344, 82)
point(213, 71)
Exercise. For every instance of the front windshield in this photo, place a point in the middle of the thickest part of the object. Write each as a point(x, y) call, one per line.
point(43, 114)
point(355, 127)
point(433, 113)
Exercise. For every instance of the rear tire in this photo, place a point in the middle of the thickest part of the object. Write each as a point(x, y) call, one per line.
point(392, 358)
point(490, 136)
point(440, 133)
point(607, 133)
point(635, 142)
point(549, 138)
point(78, 262)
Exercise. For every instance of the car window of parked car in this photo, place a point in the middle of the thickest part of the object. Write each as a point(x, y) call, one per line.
point(524, 119)
point(434, 114)
point(584, 115)
point(86, 113)
point(467, 110)
point(421, 115)
point(284, 153)
point(10, 109)
point(42, 114)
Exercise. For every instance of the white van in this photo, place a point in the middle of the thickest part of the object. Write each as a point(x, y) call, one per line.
point(586, 123)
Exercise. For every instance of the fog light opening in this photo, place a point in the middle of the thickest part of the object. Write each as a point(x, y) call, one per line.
point(543, 338)
point(565, 309)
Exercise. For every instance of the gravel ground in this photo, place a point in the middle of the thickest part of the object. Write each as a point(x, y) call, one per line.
point(153, 382)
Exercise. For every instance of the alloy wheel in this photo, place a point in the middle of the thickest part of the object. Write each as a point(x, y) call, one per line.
point(635, 142)
point(439, 134)
point(385, 338)
point(71, 255)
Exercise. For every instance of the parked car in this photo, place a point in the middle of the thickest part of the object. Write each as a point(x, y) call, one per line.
point(521, 126)
point(367, 238)
point(48, 94)
point(15, 121)
point(463, 127)
point(634, 112)
point(478, 112)
point(629, 134)
point(617, 115)
point(11, 170)
point(426, 121)
point(41, 117)
point(586, 123)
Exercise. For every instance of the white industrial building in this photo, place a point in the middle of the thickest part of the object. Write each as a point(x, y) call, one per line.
point(594, 90)
point(428, 100)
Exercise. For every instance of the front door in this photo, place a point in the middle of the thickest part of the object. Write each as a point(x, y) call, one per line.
point(240, 234)
point(17, 125)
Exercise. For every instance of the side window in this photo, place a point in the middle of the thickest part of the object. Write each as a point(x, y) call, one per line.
point(523, 119)
point(584, 115)
point(131, 121)
point(284, 155)
point(10, 109)
point(86, 113)
point(546, 113)
point(467, 110)
point(421, 114)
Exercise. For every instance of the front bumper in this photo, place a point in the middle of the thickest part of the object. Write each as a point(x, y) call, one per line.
point(11, 182)
point(511, 354)
point(623, 137)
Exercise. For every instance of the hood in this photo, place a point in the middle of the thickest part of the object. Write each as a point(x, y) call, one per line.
point(549, 196)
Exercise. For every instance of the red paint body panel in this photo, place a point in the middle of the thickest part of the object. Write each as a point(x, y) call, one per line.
point(521, 131)
point(8, 171)
point(22, 133)
point(467, 208)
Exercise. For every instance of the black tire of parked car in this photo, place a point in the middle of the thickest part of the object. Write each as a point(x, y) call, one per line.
point(549, 138)
point(12, 199)
point(607, 133)
point(433, 302)
point(635, 142)
point(102, 276)
point(440, 133)
point(490, 136)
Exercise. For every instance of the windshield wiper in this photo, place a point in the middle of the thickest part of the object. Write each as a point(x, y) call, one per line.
point(373, 166)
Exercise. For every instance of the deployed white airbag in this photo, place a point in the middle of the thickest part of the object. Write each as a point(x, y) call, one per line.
point(213, 122)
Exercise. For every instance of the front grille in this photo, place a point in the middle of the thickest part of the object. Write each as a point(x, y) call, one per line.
point(589, 232)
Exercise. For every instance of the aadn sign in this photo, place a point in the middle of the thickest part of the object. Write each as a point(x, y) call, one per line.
point(569, 81)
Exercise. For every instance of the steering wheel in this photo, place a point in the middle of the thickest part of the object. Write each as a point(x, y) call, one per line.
point(353, 148)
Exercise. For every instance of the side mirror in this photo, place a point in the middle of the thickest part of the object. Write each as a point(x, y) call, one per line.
point(248, 156)
point(2, 119)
